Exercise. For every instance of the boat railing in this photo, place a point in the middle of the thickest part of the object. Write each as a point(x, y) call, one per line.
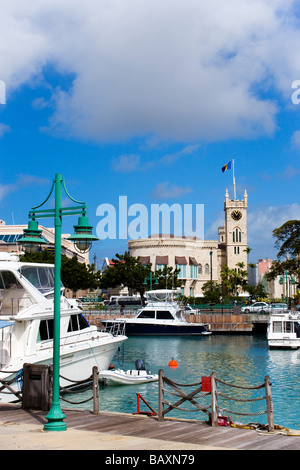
point(116, 328)
point(13, 305)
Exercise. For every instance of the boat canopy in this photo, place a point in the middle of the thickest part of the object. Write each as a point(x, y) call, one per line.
point(160, 295)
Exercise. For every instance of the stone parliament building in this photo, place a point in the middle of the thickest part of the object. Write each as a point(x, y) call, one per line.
point(199, 260)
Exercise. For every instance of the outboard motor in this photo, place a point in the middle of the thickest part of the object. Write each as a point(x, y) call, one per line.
point(140, 365)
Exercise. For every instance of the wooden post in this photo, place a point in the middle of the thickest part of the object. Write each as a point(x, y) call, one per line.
point(214, 400)
point(269, 404)
point(160, 394)
point(95, 390)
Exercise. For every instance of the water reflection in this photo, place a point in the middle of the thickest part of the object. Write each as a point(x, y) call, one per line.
point(236, 359)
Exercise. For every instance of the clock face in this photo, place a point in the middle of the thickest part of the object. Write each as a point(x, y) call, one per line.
point(236, 215)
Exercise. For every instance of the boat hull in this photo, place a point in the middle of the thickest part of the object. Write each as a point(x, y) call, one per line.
point(291, 343)
point(75, 365)
point(162, 329)
point(130, 377)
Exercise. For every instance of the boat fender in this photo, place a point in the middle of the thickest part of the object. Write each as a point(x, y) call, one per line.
point(140, 365)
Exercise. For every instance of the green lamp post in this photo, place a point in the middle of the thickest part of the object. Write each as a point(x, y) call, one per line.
point(288, 280)
point(32, 240)
point(151, 278)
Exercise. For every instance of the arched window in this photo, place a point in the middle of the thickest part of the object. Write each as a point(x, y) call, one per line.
point(236, 235)
point(207, 268)
point(200, 269)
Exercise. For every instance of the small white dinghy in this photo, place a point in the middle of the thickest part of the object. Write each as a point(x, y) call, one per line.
point(128, 377)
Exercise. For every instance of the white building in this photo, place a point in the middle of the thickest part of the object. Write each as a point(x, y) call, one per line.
point(199, 260)
point(10, 234)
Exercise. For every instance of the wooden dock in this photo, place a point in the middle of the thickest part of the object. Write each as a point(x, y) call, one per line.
point(178, 431)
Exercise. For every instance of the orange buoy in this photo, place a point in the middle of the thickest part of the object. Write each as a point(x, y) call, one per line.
point(172, 363)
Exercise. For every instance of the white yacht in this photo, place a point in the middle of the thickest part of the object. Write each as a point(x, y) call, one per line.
point(284, 330)
point(162, 315)
point(26, 326)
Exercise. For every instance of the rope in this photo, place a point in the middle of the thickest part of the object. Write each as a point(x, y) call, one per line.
point(241, 399)
point(183, 409)
point(181, 396)
point(170, 382)
point(244, 414)
point(74, 402)
point(77, 381)
point(257, 387)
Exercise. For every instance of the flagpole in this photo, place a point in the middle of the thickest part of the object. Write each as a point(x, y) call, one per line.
point(234, 188)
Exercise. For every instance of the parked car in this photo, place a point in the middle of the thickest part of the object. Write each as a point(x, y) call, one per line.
point(188, 310)
point(256, 307)
point(263, 307)
point(278, 307)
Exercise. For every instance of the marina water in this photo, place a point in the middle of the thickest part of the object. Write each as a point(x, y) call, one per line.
point(237, 359)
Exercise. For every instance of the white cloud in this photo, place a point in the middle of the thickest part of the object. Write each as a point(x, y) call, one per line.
point(261, 224)
point(290, 172)
point(22, 182)
point(168, 191)
point(126, 163)
point(170, 70)
point(295, 140)
point(4, 129)
point(132, 162)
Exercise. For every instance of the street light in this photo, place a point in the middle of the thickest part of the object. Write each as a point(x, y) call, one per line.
point(288, 280)
point(151, 278)
point(32, 240)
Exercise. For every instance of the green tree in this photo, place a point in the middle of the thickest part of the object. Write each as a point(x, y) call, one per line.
point(234, 279)
point(212, 292)
point(77, 275)
point(167, 278)
point(126, 271)
point(287, 241)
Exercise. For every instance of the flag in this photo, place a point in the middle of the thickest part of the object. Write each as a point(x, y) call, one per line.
point(226, 167)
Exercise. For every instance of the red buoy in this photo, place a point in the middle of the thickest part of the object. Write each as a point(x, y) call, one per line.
point(172, 363)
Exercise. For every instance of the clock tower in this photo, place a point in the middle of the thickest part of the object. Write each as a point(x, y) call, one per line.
point(235, 230)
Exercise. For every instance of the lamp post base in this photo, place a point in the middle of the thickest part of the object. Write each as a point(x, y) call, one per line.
point(55, 419)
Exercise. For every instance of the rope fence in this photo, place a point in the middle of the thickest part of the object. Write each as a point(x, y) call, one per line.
point(75, 387)
point(208, 387)
point(91, 382)
point(7, 389)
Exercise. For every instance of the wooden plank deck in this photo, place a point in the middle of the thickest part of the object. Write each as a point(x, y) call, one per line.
point(177, 431)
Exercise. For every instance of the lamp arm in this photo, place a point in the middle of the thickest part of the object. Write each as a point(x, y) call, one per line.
point(51, 190)
point(68, 194)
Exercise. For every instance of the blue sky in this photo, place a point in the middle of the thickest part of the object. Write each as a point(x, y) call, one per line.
point(149, 100)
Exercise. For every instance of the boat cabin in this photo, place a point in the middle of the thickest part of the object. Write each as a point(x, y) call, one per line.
point(26, 309)
point(285, 326)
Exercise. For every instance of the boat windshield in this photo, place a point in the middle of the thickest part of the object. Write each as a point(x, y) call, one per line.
point(41, 277)
point(159, 296)
point(13, 296)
